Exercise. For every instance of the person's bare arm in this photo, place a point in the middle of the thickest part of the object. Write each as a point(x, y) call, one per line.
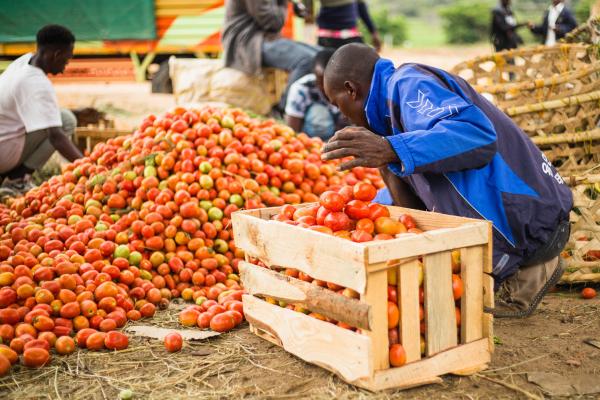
point(401, 193)
point(294, 122)
point(63, 145)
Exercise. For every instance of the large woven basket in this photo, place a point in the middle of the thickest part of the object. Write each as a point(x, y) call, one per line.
point(588, 32)
point(568, 115)
point(525, 64)
point(585, 79)
point(582, 253)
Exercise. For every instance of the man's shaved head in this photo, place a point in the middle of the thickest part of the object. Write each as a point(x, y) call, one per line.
point(348, 79)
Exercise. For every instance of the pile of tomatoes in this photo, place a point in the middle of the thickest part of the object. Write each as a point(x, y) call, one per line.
point(145, 218)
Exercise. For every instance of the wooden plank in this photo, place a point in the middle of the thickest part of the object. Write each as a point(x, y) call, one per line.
point(409, 245)
point(471, 305)
point(321, 256)
point(488, 301)
point(408, 299)
point(440, 311)
point(465, 357)
point(427, 220)
point(265, 282)
point(376, 296)
point(339, 350)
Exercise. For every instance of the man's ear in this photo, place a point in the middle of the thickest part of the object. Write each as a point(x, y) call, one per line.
point(351, 89)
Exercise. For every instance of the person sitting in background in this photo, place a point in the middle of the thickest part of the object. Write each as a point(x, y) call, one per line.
point(32, 126)
point(251, 40)
point(504, 27)
point(307, 108)
point(558, 21)
point(338, 23)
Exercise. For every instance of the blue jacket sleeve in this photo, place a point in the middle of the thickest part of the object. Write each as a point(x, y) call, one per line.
point(435, 129)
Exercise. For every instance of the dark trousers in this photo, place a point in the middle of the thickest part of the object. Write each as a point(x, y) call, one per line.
point(337, 43)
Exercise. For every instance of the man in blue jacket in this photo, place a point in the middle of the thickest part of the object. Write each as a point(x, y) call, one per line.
point(441, 146)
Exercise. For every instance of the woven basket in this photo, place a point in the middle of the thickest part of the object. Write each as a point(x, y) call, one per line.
point(569, 115)
point(582, 253)
point(588, 33)
point(526, 64)
point(583, 80)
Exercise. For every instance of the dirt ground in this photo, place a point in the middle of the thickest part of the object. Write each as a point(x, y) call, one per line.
point(239, 365)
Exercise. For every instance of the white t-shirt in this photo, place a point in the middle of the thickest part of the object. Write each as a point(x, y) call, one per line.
point(553, 14)
point(304, 93)
point(27, 103)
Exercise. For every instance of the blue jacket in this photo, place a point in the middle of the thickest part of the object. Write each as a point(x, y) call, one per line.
point(463, 156)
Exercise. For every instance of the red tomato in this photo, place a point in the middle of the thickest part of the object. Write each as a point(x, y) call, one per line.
point(332, 201)
point(397, 355)
point(364, 191)
point(377, 210)
point(173, 342)
point(408, 221)
point(222, 322)
point(588, 293)
point(357, 209)
point(361, 236)
point(337, 221)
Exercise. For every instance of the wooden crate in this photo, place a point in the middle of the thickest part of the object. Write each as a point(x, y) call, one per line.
point(87, 137)
point(362, 359)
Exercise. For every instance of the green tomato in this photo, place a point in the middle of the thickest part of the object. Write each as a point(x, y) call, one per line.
point(101, 227)
point(73, 219)
point(145, 275)
point(122, 251)
point(130, 175)
point(93, 203)
point(126, 394)
point(135, 258)
point(205, 167)
point(221, 246)
point(150, 171)
point(237, 200)
point(206, 182)
point(227, 122)
point(206, 204)
point(275, 190)
point(215, 214)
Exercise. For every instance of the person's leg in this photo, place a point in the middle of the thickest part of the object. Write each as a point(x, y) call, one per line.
point(336, 43)
point(318, 122)
point(38, 152)
point(521, 293)
point(294, 57)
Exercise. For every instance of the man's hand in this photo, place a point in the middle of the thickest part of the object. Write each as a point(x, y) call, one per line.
point(368, 149)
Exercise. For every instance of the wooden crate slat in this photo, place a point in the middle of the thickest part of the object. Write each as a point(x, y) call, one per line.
point(427, 220)
point(321, 256)
point(468, 356)
point(472, 298)
point(408, 299)
point(265, 282)
point(440, 311)
point(488, 301)
point(339, 350)
point(410, 245)
point(375, 295)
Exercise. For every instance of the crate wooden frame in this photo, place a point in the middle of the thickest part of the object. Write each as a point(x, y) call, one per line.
point(362, 359)
point(524, 64)
point(87, 137)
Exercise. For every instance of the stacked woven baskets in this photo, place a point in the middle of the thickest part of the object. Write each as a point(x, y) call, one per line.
point(553, 94)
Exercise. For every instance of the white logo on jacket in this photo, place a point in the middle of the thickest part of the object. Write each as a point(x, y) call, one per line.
point(425, 107)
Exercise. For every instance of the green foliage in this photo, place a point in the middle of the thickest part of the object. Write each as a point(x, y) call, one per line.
point(582, 10)
point(467, 21)
point(387, 24)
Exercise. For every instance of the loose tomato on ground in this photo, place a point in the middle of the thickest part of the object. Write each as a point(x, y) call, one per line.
point(173, 342)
